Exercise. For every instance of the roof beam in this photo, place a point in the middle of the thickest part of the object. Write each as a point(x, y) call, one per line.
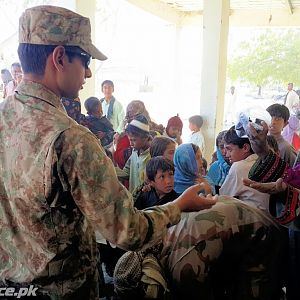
point(289, 6)
point(159, 9)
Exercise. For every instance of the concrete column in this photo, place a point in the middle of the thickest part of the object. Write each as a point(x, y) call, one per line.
point(214, 63)
point(88, 9)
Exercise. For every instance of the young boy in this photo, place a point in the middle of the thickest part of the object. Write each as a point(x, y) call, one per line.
point(97, 123)
point(174, 129)
point(140, 139)
point(160, 173)
point(242, 158)
point(280, 115)
point(197, 138)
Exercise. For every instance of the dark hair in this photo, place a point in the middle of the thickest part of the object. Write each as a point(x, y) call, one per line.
point(16, 65)
point(109, 82)
point(196, 120)
point(158, 163)
point(195, 147)
point(232, 138)
point(271, 141)
point(91, 104)
point(204, 163)
point(33, 57)
point(220, 138)
point(159, 145)
point(279, 111)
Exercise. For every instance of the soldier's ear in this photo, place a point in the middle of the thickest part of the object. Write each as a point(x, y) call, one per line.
point(58, 55)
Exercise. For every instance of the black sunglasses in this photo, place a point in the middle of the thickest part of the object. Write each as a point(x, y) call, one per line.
point(85, 58)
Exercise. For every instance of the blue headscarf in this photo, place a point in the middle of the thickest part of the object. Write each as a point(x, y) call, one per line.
point(186, 169)
point(219, 169)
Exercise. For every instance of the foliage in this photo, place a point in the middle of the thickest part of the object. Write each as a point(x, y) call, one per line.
point(270, 58)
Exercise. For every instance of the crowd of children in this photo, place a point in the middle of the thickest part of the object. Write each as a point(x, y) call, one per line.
point(156, 165)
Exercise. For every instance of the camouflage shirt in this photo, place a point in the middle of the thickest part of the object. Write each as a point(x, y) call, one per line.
point(56, 187)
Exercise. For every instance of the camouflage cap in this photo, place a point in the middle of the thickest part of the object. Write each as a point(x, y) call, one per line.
point(52, 25)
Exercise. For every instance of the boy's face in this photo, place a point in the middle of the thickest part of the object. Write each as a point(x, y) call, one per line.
point(163, 182)
point(192, 127)
point(276, 126)
point(98, 111)
point(169, 152)
point(174, 131)
point(107, 90)
point(235, 153)
point(137, 142)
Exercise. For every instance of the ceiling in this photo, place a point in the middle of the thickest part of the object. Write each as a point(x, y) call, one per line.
point(197, 5)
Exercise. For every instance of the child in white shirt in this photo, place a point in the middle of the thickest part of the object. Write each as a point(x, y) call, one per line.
point(196, 137)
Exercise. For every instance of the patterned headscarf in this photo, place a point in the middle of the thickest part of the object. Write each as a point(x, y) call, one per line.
point(137, 107)
point(176, 122)
point(186, 169)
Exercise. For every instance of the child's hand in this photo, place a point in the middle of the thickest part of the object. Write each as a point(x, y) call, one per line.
point(206, 186)
point(146, 187)
point(116, 138)
point(100, 135)
point(269, 187)
point(178, 139)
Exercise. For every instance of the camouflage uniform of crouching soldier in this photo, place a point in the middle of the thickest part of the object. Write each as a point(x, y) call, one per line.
point(57, 186)
point(231, 251)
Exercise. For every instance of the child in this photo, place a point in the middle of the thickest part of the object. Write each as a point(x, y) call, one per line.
point(219, 169)
point(174, 129)
point(196, 137)
point(163, 146)
point(140, 139)
point(280, 115)
point(242, 158)
point(98, 124)
point(188, 167)
point(160, 173)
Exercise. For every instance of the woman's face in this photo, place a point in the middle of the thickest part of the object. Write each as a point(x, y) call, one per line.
point(199, 160)
point(169, 152)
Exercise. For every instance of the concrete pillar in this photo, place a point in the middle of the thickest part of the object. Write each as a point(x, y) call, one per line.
point(214, 63)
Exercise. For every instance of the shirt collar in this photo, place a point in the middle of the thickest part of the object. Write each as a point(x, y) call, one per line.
point(36, 90)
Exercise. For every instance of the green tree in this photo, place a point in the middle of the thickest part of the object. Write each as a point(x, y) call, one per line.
point(271, 58)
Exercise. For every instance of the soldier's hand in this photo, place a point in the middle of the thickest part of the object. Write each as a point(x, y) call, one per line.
point(190, 200)
point(269, 187)
point(258, 139)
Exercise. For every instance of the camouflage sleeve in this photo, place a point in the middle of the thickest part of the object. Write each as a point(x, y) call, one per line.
point(104, 201)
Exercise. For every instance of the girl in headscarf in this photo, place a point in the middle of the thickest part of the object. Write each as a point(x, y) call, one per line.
point(188, 167)
point(220, 168)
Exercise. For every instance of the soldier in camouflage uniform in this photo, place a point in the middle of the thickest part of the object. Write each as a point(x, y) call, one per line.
point(57, 186)
point(229, 252)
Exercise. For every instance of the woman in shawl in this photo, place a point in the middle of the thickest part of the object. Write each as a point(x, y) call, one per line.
point(188, 167)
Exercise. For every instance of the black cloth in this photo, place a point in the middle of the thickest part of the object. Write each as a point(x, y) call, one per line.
point(96, 124)
point(148, 199)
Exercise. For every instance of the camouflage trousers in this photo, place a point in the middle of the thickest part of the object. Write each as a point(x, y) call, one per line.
point(231, 251)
